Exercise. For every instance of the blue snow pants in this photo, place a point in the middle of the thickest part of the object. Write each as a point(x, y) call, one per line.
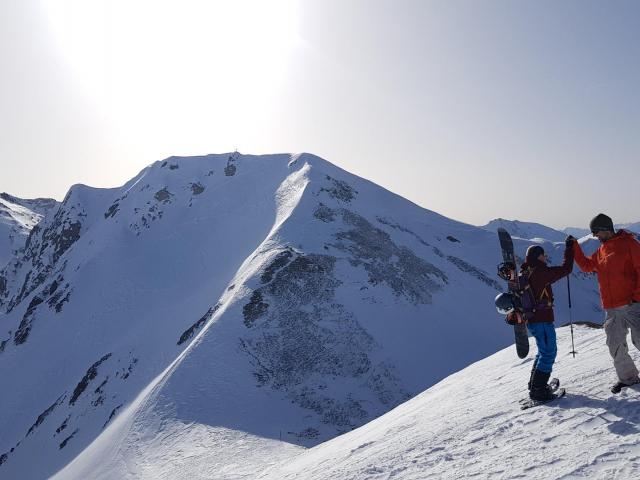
point(545, 335)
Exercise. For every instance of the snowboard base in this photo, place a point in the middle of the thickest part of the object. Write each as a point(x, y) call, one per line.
point(522, 339)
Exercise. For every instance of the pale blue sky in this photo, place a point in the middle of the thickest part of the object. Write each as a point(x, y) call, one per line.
point(474, 109)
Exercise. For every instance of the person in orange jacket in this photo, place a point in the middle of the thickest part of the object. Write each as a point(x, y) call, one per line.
point(617, 264)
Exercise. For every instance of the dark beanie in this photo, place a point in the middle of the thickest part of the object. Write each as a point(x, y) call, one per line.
point(533, 252)
point(601, 223)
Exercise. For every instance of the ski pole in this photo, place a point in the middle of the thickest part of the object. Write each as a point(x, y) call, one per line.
point(573, 348)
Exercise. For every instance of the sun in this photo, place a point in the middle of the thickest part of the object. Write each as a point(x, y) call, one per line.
point(183, 59)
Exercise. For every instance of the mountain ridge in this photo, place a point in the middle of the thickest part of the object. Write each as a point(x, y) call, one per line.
point(227, 300)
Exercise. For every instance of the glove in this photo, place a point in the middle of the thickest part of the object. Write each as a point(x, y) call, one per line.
point(569, 241)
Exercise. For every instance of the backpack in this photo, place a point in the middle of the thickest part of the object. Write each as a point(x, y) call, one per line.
point(529, 304)
point(520, 303)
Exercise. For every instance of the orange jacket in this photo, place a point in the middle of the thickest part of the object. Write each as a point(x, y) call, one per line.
point(617, 263)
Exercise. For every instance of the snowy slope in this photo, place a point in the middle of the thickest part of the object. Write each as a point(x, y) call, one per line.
point(17, 219)
point(470, 426)
point(218, 314)
point(527, 230)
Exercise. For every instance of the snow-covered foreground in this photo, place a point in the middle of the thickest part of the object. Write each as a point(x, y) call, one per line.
point(470, 426)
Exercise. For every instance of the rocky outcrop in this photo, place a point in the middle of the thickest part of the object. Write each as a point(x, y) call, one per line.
point(92, 372)
point(231, 168)
point(385, 261)
point(339, 190)
point(25, 325)
point(42, 417)
point(191, 331)
point(46, 245)
point(300, 336)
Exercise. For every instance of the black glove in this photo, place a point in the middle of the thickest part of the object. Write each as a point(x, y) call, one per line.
point(569, 241)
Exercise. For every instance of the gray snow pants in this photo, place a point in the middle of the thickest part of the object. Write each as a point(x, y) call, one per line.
point(618, 322)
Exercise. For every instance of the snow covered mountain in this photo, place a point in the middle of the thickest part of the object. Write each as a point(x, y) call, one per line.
point(526, 230)
point(581, 232)
point(632, 227)
point(470, 426)
point(577, 232)
point(41, 206)
point(218, 314)
point(17, 218)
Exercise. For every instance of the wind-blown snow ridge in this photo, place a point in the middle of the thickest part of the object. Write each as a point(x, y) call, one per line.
point(470, 426)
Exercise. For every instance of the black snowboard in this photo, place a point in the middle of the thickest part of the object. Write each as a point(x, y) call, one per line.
point(509, 265)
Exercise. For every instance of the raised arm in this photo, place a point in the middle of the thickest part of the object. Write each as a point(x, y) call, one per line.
point(586, 264)
point(553, 274)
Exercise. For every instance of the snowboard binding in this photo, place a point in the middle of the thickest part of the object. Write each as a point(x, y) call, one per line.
point(506, 271)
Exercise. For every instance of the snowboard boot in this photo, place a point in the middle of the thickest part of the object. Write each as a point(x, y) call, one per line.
point(618, 386)
point(539, 389)
point(533, 369)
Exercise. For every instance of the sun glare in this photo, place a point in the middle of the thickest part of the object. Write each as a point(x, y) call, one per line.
point(187, 59)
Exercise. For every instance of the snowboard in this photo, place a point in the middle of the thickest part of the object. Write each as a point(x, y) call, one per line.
point(529, 403)
point(509, 271)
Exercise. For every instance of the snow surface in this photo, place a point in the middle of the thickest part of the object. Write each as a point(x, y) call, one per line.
point(470, 426)
point(219, 314)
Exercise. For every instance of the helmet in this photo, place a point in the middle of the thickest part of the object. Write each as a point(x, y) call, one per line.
point(505, 303)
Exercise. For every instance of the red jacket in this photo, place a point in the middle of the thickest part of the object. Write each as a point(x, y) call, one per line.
point(617, 263)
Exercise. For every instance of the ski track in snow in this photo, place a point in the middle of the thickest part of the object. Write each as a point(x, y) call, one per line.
point(470, 426)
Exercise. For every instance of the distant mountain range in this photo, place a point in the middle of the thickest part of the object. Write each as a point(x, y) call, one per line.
point(17, 218)
point(526, 230)
point(531, 230)
point(581, 232)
